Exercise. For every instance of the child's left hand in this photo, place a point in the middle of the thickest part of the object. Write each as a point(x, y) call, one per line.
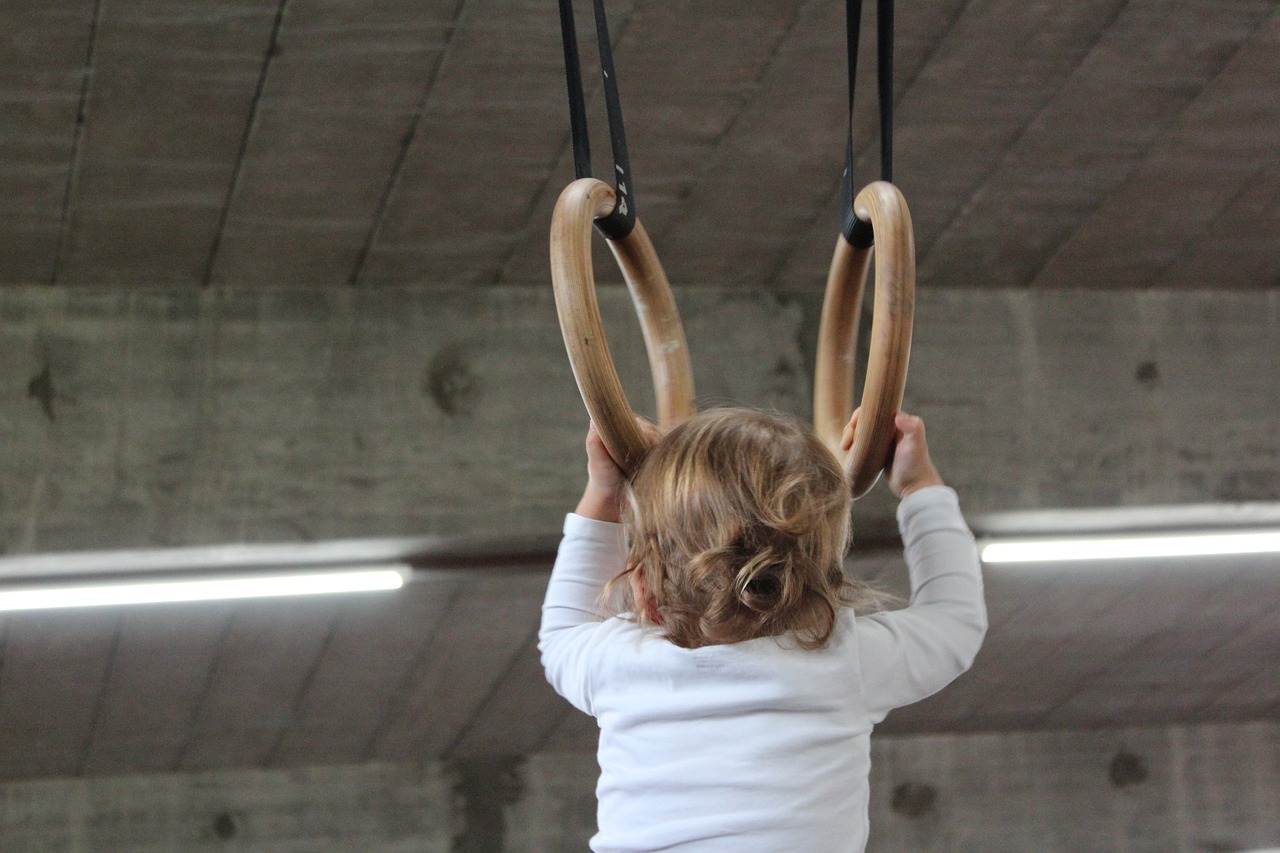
point(909, 468)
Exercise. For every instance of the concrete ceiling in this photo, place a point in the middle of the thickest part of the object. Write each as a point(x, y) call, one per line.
point(1107, 143)
point(448, 668)
point(341, 147)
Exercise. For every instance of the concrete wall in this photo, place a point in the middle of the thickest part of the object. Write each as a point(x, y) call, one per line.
point(1209, 789)
point(154, 418)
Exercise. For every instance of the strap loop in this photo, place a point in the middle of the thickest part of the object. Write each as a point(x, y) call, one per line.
point(617, 223)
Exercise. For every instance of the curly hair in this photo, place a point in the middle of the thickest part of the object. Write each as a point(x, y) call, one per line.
point(739, 522)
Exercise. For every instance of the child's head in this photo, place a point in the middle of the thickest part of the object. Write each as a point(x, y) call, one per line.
point(739, 522)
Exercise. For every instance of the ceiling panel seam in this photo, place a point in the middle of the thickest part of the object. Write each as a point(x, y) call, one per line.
point(1259, 176)
point(713, 158)
point(100, 698)
point(210, 680)
point(828, 209)
point(406, 144)
point(401, 695)
point(533, 211)
point(1155, 142)
point(272, 756)
point(962, 211)
point(77, 149)
point(493, 690)
point(250, 123)
point(1194, 242)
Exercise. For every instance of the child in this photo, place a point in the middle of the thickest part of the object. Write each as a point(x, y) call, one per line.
point(736, 696)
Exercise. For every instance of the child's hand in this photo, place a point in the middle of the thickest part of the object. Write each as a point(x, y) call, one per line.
point(606, 484)
point(603, 473)
point(909, 468)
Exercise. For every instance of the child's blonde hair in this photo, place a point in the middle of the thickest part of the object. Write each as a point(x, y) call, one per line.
point(739, 522)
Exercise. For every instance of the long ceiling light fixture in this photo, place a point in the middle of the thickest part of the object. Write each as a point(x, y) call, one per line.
point(169, 590)
point(1147, 545)
point(248, 571)
point(204, 573)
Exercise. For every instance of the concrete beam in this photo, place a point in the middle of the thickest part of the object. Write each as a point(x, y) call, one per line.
point(1176, 788)
point(159, 418)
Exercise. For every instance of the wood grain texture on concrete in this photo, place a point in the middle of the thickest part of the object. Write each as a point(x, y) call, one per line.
point(157, 418)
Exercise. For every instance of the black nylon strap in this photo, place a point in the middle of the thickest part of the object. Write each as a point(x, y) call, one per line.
point(857, 232)
point(577, 103)
point(622, 220)
point(884, 76)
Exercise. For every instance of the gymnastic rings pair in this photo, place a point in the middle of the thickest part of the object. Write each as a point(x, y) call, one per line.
point(880, 203)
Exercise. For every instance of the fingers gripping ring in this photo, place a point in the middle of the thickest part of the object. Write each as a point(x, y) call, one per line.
point(573, 279)
point(883, 205)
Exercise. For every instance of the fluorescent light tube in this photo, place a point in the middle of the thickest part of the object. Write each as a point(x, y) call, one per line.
point(157, 591)
point(1131, 547)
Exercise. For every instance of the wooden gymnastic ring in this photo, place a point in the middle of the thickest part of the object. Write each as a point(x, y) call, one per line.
point(573, 279)
point(883, 205)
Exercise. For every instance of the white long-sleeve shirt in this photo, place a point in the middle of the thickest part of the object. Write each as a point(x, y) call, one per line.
point(758, 745)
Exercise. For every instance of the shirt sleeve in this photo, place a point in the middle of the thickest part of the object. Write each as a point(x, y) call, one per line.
point(591, 554)
point(912, 653)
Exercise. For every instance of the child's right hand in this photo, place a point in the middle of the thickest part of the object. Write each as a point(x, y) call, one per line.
point(606, 484)
point(909, 468)
point(603, 473)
